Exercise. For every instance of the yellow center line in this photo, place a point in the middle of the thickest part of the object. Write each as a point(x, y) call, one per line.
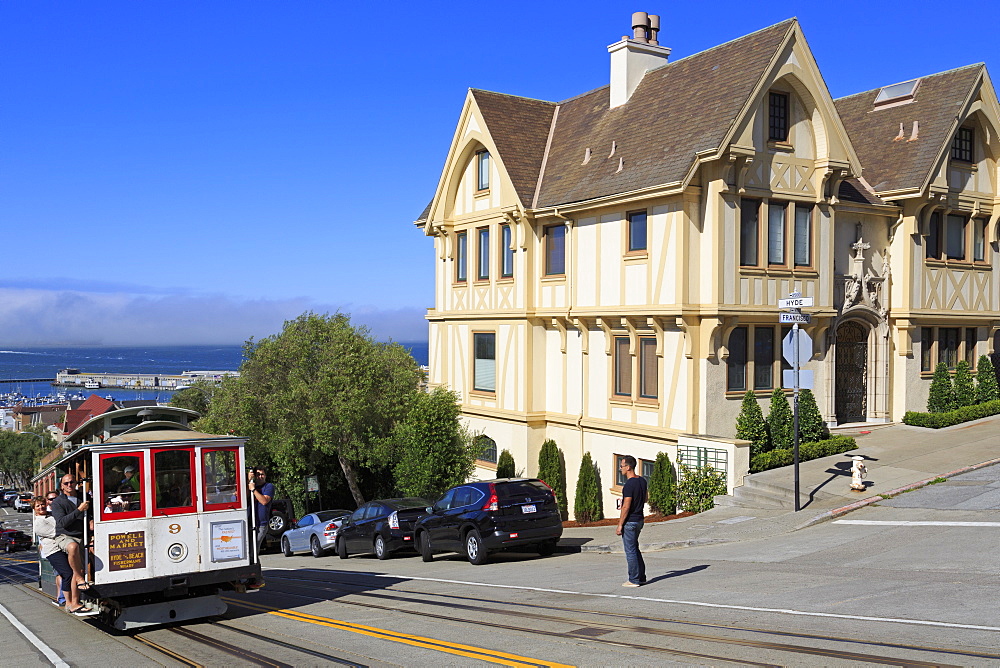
point(405, 638)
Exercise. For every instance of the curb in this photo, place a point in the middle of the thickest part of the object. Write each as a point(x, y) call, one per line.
point(654, 547)
point(843, 510)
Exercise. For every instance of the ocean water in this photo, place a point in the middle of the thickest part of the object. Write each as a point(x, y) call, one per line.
point(22, 363)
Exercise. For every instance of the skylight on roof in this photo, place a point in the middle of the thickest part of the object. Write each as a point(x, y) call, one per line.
point(900, 91)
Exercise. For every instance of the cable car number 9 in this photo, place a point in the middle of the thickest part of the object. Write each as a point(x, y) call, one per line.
point(174, 528)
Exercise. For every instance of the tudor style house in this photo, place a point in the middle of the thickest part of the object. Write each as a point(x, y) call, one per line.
point(608, 267)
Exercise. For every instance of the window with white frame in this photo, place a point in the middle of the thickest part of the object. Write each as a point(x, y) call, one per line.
point(484, 371)
point(483, 170)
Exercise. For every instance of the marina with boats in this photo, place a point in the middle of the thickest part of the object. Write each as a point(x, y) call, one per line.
point(71, 378)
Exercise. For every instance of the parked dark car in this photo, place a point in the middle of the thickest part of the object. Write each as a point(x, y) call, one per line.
point(11, 540)
point(477, 518)
point(383, 527)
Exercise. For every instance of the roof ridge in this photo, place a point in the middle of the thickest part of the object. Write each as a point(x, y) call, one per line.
point(730, 42)
point(924, 76)
point(519, 97)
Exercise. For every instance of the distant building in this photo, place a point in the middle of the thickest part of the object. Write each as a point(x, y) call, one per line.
point(608, 267)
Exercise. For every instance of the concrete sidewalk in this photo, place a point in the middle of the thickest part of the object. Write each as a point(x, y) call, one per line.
point(899, 457)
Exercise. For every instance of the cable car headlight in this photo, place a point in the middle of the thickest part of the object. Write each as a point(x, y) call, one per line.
point(177, 551)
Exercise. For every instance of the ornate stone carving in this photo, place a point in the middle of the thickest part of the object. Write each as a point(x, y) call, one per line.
point(866, 287)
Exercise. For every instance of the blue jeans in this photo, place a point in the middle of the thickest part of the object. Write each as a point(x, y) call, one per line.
point(630, 540)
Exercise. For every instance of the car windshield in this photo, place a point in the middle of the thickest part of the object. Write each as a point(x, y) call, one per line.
point(326, 515)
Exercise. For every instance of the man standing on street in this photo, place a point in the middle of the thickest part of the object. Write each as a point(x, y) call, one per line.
point(630, 521)
point(262, 492)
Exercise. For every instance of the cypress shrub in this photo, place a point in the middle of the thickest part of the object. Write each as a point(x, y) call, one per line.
point(942, 394)
point(811, 424)
point(957, 416)
point(987, 388)
point(587, 506)
point(505, 465)
point(663, 485)
point(698, 487)
point(750, 425)
point(965, 391)
point(779, 421)
point(552, 470)
point(834, 445)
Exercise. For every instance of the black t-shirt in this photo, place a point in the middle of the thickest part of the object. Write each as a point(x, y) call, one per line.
point(635, 488)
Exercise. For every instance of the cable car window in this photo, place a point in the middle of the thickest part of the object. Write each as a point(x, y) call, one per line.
point(122, 479)
point(218, 472)
point(172, 470)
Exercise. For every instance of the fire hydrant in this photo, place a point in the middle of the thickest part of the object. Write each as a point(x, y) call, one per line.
point(858, 473)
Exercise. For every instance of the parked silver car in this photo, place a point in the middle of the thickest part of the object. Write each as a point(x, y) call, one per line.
point(316, 532)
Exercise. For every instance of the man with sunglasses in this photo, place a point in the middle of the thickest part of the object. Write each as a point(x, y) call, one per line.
point(69, 510)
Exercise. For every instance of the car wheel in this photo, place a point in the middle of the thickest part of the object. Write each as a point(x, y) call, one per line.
point(314, 547)
point(547, 548)
point(474, 548)
point(424, 542)
point(277, 524)
point(286, 549)
point(381, 549)
point(342, 548)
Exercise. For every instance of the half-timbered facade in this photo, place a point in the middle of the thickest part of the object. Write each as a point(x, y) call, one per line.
point(608, 267)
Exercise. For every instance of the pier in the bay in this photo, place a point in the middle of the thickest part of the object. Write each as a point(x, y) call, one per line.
point(136, 381)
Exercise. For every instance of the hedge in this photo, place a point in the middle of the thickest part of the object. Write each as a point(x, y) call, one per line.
point(785, 456)
point(948, 418)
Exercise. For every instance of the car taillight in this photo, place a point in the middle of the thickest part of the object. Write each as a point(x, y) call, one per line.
point(493, 503)
point(332, 526)
point(394, 521)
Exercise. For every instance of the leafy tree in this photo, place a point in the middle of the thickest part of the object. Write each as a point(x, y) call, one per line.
point(505, 465)
point(197, 397)
point(779, 421)
point(587, 506)
point(812, 428)
point(963, 385)
point(663, 485)
point(322, 389)
point(21, 452)
point(987, 388)
point(698, 487)
point(942, 394)
point(552, 470)
point(750, 424)
point(433, 451)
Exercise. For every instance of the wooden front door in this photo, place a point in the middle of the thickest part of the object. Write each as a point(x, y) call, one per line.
point(852, 372)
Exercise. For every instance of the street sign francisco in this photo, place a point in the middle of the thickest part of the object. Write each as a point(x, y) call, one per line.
point(796, 302)
point(801, 318)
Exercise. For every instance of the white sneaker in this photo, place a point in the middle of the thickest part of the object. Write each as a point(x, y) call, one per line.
point(630, 584)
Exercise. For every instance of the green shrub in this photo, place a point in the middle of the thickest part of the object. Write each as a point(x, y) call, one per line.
point(552, 470)
point(949, 418)
point(750, 424)
point(698, 487)
point(811, 424)
point(986, 381)
point(942, 394)
point(834, 445)
point(505, 465)
point(587, 506)
point(965, 391)
point(663, 485)
point(779, 421)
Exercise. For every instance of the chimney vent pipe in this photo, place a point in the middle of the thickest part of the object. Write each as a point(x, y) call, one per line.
point(640, 27)
point(654, 28)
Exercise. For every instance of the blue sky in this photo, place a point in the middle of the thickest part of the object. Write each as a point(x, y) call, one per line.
point(199, 172)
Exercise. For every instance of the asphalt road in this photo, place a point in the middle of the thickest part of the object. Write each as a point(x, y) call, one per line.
point(909, 581)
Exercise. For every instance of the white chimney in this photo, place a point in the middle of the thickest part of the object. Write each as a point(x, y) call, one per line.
point(633, 56)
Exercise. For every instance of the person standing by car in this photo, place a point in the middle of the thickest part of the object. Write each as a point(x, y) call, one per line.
point(630, 521)
point(262, 492)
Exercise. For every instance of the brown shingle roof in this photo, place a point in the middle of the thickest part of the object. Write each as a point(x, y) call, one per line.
point(896, 165)
point(855, 190)
point(676, 111)
point(519, 127)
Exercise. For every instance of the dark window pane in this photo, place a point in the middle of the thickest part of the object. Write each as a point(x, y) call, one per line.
point(623, 367)
point(778, 117)
point(948, 346)
point(483, 170)
point(970, 346)
point(506, 253)
point(637, 231)
point(803, 236)
point(461, 256)
point(736, 363)
point(978, 240)
point(926, 343)
point(956, 238)
point(648, 367)
point(483, 265)
point(555, 250)
point(219, 474)
point(776, 233)
point(487, 448)
point(961, 146)
point(484, 364)
point(647, 469)
point(763, 358)
point(933, 241)
point(620, 477)
point(173, 478)
point(749, 212)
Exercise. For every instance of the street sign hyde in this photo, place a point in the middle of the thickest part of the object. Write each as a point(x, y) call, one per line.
point(796, 302)
point(801, 318)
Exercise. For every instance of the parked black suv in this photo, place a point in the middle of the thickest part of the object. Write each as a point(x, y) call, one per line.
point(482, 517)
point(383, 527)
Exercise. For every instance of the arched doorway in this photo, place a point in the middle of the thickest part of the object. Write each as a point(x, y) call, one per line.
point(851, 396)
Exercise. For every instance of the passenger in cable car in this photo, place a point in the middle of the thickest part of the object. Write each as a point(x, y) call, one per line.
point(55, 551)
point(130, 487)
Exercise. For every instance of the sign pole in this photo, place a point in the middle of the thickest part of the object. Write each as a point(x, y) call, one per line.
point(795, 416)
